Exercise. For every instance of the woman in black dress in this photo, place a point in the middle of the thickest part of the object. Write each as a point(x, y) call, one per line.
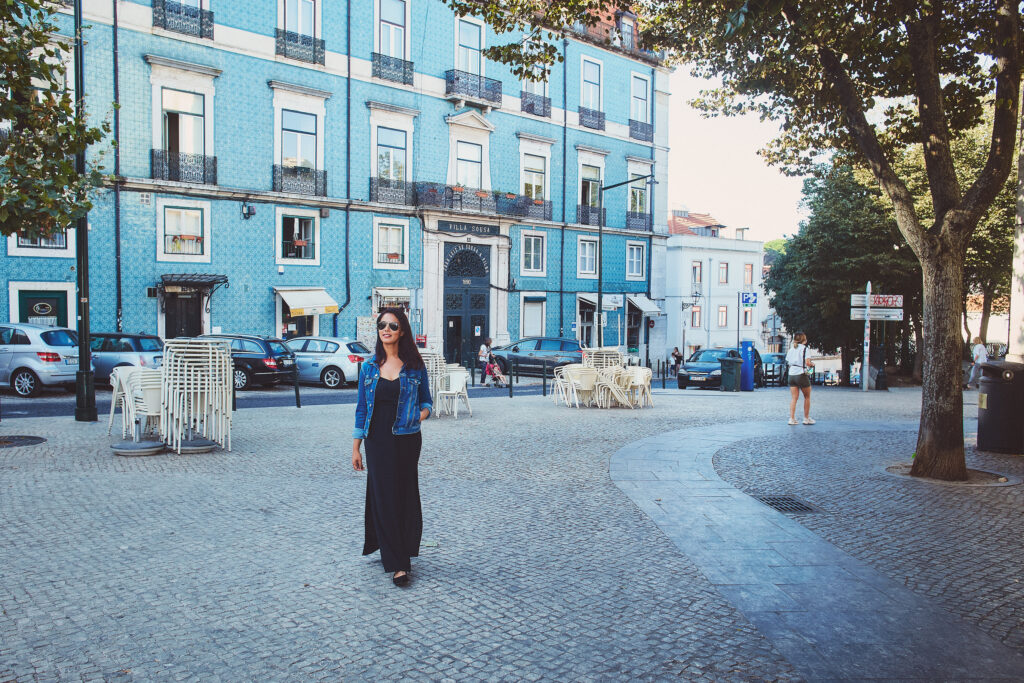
point(394, 398)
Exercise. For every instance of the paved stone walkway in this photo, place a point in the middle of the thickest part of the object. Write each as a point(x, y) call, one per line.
point(831, 615)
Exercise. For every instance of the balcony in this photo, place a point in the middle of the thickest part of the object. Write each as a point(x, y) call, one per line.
point(589, 215)
point(473, 200)
point(180, 18)
point(591, 118)
point(609, 35)
point(532, 103)
point(387, 191)
point(298, 249)
point(300, 180)
point(182, 167)
point(638, 130)
point(462, 86)
point(392, 68)
point(636, 220)
point(297, 46)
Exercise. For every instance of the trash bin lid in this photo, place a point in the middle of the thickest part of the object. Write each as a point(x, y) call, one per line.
point(1002, 369)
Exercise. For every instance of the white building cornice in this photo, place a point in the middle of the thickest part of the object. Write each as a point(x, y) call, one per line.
point(202, 69)
point(299, 89)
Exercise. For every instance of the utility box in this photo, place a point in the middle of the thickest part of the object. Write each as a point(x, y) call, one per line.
point(1000, 407)
point(747, 371)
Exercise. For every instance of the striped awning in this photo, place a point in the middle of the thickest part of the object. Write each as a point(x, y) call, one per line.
point(312, 301)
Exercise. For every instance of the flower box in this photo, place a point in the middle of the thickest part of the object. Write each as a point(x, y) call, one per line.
point(509, 195)
point(394, 257)
point(538, 202)
point(457, 189)
point(300, 243)
point(481, 194)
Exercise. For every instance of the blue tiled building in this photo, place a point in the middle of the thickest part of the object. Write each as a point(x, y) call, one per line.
point(290, 166)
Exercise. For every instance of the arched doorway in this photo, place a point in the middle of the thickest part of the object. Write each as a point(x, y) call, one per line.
point(466, 300)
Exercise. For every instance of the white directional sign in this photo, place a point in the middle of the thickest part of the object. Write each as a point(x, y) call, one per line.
point(876, 314)
point(748, 298)
point(880, 300)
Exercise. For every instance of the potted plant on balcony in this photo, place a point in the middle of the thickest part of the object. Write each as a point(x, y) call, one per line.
point(510, 195)
point(538, 202)
point(458, 188)
point(394, 256)
point(300, 243)
point(481, 193)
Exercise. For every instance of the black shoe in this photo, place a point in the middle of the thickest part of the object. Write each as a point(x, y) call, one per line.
point(400, 581)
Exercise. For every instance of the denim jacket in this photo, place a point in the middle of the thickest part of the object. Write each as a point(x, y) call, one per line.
point(413, 396)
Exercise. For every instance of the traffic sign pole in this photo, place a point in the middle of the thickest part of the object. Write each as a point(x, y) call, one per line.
point(865, 364)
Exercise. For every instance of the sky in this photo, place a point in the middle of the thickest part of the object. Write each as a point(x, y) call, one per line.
point(714, 168)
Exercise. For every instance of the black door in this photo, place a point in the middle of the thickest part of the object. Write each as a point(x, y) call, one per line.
point(466, 301)
point(183, 314)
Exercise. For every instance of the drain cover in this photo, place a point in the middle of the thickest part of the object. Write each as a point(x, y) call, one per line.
point(12, 441)
point(787, 504)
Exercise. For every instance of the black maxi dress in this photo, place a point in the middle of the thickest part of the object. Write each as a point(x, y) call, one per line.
point(394, 518)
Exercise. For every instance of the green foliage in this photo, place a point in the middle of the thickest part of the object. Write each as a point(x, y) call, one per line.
point(40, 190)
point(777, 246)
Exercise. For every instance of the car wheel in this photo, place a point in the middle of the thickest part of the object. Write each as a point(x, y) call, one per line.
point(332, 378)
point(681, 383)
point(25, 383)
point(242, 380)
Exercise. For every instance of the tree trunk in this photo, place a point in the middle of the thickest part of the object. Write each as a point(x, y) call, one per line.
point(844, 369)
point(940, 438)
point(986, 313)
point(918, 349)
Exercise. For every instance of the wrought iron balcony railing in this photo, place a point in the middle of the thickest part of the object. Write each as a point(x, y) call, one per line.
point(298, 249)
point(183, 168)
point(591, 118)
point(472, 87)
point(636, 220)
point(529, 207)
point(181, 18)
point(392, 68)
point(474, 200)
point(589, 215)
point(297, 46)
point(187, 245)
point(387, 191)
point(638, 130)
point(300, 180)
point(532, 103)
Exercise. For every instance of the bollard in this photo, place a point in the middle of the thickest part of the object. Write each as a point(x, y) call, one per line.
point(472, 374)
point(295, 383)
point(544, 380)
point(664, 371)
point(234, 396)
point(515, 369)
point(510, 382)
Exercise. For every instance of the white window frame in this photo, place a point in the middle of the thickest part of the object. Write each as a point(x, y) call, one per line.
point(723, 317)
point(317, 20)
point(279, 214)
point(483, 42)
point(587, 158)
point(388, 220)
point(632, 32)
point(13, 249)
point(525, 84)
point(647, 109)
point(695, 316)
point(600, 85)
point(14, 301)
point(181, 203)
point(543, 312)
point(533, 234)
point(587, 275)
point(301, 100)
point(399, 118)
point(472, 127)
point(540, 147)
point(377, 23)
point(467, 146)
point(699, 265)
point(166, 73)
point(747, 266)
point(748, 317)
point(723, 265)
point(643, 260)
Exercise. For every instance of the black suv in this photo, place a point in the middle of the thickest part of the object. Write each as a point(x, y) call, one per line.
point(258, 360)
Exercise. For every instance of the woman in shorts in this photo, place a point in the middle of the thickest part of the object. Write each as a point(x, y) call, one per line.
point(799, 381)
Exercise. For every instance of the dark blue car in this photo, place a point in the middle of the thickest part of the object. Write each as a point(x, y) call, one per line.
point(703, 369)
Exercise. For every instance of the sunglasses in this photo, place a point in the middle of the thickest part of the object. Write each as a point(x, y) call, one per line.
point(393, 326)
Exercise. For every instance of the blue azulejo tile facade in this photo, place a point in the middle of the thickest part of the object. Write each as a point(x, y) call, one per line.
point(291, 167)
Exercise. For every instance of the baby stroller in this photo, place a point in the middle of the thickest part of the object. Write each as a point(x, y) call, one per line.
point(493, 371)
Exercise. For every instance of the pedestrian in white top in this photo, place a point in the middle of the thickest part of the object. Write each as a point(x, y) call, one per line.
point(799, 381)
point(980, 355)
point(484, 357)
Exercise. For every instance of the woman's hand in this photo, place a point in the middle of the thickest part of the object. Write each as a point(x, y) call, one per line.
point(357, 457)
point(424, 414)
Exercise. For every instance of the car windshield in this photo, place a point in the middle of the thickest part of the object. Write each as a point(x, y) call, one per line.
point(708, 355)
point(277, 347)
point(358, 347)
point(60, 338)
point(150, 344)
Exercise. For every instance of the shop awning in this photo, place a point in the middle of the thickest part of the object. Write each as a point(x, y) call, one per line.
point(646, 306)
point(588, 297)
point(312, 301)
point(193, 279)
point(392, 292)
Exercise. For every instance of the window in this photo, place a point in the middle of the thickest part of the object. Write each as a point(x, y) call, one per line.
point(590, 186)
point(591, 91)
point(58, 240)
point(392, 28)
point(298, 139)
point(723, 273)
point(695, 270)
point(748, 273)
point(639, 108)
point(470, 44)
point(748, 317)
point(533, 254)
point(636, 258)
point(549, 345)
point(183, 231)
point(695, 317)
point(390, 243)
point(298, 238)
point(723, 316)
point(183, 129)
point(468, 164)
point(298, 17)
point(536, 87)
point(587, 263)
point(391, 154)
point(626, 30)
point(638, 194)
point(533, 176)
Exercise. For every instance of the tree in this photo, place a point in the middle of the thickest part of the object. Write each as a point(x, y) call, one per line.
point(862, 76)
point(40, 190)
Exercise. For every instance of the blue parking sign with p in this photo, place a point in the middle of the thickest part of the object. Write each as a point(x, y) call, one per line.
point(748, 298)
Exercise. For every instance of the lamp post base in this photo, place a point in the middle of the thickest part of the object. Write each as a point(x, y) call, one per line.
point(85, 396)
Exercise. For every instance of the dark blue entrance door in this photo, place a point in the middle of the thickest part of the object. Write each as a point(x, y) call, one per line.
point(466, 300)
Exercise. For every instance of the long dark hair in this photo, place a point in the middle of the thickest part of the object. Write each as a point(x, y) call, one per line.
point(407, 350)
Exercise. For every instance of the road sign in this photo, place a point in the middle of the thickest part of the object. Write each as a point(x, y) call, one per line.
point(876, 314)
point(574, 328)
point(748, 298)
point(879, 300)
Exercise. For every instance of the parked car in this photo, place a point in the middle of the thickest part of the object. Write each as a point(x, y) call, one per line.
point(114, 349)
point(258, 360)
point(532, 352)
point(331, 361)
point(703, 369)
point(34, 356)
point(776, 370)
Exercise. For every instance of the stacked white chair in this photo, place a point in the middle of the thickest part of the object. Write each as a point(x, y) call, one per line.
point(197, 393)
point(448, 398)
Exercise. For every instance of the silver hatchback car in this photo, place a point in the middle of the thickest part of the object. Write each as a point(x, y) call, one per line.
point(116, 349)
point(331, 361)
point(34, 356)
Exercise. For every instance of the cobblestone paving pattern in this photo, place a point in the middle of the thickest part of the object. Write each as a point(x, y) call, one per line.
point(962, 546)
point(246, 565)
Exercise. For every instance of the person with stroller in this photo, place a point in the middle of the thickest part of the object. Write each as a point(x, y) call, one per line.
point(493, 371)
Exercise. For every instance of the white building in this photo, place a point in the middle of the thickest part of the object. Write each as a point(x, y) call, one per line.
point(707, 276)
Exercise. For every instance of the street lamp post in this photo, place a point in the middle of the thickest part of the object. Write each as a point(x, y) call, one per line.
point(85, 389)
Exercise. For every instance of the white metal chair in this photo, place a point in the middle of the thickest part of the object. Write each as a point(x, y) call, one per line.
point(449, 397)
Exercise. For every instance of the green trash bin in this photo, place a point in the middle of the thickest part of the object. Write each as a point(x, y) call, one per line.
point(731, 373)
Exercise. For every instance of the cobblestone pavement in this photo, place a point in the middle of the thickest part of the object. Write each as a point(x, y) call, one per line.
point(246, 565)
